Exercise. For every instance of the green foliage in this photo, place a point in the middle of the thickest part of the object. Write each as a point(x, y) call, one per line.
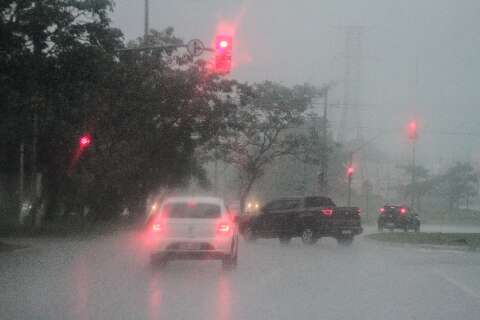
point(460, 182)
point(261, 128)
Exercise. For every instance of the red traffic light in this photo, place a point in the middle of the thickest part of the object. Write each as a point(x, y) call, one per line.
point(223, 44)
point(85, 141)
point(350, 171)
point(412, 130)
point(223, 54)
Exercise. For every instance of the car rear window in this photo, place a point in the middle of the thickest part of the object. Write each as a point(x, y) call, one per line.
point(183, 210)
point(284, 204)
point(314, 202)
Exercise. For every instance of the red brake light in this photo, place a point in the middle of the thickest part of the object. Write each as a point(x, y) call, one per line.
point(157, 227)
point(224, 228)
point(223, 44)
point(327, 212)
point(381, 210)
point(403, 211)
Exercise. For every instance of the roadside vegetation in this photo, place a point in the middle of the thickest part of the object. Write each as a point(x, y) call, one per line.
point(468, 240)
point(7, 247)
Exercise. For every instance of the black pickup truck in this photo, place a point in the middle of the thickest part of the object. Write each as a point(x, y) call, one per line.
point(307, 217)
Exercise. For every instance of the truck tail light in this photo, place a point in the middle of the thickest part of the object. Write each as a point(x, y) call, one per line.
point(327, 212)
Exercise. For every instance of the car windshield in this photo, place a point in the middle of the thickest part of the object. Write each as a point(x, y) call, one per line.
point(182, 210)
point(240, 159)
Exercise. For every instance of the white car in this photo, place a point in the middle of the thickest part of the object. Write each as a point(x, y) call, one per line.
point(193, 228)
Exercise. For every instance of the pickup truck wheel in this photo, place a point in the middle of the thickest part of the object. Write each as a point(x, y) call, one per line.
point(284, 239)
point(308, 236)
point(347, 241)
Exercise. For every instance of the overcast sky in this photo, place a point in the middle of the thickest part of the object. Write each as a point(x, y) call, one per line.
point(304, 40)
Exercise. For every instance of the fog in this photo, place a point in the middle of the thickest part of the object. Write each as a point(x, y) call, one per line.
point(417, 60)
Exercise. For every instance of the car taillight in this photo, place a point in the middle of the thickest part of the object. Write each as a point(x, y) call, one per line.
point(224, 228)
point(157, 227)
point(403, 211)
point(327, 212)
point(381, 210)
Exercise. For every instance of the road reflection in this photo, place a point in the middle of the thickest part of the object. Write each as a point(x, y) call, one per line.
point(223, 298)
point(196, 291)
point(81, 283)
point(155, 297)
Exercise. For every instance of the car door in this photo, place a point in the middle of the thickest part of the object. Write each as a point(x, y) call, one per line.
point(286, 217)
point(266, 224)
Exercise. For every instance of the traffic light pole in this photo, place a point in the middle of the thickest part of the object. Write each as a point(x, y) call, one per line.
point(412, 203)
point(349, 199)
point(324, 175)
point(350, 176)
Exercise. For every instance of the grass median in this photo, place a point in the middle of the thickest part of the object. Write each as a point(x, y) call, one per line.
point(468, 240)
point(7, 247)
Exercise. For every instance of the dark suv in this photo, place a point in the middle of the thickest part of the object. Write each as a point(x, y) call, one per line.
point(397, 217)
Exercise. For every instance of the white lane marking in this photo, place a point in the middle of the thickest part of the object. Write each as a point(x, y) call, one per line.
point(459, 285)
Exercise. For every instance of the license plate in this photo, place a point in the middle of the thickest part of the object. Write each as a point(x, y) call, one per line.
point(346, 231)
point(189, 246)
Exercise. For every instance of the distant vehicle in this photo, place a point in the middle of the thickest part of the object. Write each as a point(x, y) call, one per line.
point(193, 228)
point(309, 218)
point(252, 207)
point(397, 217)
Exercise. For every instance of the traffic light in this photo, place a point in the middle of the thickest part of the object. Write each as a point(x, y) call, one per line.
point(223, 54)
point(350, 171)
point(412, 130)
point(85, 141)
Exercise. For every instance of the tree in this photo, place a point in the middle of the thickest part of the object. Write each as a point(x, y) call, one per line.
point(154, 117)
point(43, 44)
point(424, 184)
point(460, 182)
point(262, 129)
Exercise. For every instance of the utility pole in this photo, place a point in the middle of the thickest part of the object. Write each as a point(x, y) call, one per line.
point(146, 28)
point(352, 83)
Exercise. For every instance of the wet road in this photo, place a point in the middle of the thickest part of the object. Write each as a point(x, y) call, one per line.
point(110, 278)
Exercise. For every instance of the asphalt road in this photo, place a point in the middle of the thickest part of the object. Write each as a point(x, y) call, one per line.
point(110, 278)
